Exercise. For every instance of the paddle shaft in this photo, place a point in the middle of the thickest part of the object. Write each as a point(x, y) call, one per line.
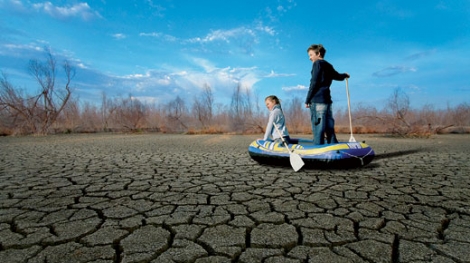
point(351, 139)
point(282, 138)
point(295, 160)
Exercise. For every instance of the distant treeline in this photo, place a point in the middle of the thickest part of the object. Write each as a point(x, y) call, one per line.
point(55, 110)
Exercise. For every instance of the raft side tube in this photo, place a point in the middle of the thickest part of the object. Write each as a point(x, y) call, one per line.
point(339, 155)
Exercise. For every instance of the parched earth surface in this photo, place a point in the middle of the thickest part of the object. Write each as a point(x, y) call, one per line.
point(179, 198)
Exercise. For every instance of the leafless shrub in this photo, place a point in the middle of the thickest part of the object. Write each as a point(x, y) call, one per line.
point(462, 115)
point(459, 118)
point(36, 114)
point(176, 115)
point(366, 119)
point(297, 117)
point(396, 118)
point(71, 118)
point(221, 119)
point(7, 122)
point(203, 107)
point(128, 113)
point(256, 120)
point(90, 118)
point(399, 119)
point(241, 115)
point(54, 110)
point(107, 111)
point(156, 119)
point(17, 109)
point(397, 109)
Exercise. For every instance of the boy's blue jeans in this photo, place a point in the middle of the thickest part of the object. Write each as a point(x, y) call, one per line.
point(323, 123)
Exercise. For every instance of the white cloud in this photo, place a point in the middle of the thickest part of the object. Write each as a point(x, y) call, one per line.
point(295, 88)
point(273, 74)
point(242, 38)
point(204, 63)
point(81, 65)
point(13, 5)
point(158, 10)
point(221, 79)
point(146, 99)
point(266, 29)
point(119, 36)
point(180, 73)
point(81, 10)
point(393, 70)
point(280, 8)
point(149, 78)
point(162, 36)
point(9, 49)
point(422, 54)
point(169, 83)
point(224, 35)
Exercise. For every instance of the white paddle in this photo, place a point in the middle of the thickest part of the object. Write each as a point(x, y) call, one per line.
point(351, 139)
point(295, 160)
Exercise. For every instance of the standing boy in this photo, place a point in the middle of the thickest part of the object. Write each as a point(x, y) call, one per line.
point(319, 97)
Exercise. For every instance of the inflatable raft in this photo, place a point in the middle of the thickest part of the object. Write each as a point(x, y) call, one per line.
point(339, 155)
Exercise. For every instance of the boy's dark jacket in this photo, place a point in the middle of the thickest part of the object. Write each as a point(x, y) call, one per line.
point(323, 73)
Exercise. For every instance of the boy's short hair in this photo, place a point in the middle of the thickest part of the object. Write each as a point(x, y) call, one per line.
point(317, 48)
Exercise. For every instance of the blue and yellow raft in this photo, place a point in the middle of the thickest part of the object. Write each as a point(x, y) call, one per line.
point(338, 156)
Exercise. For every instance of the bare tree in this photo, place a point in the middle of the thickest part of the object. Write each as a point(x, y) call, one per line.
point(17, 106)
point(70, 118)
point(176, 111)
point(208, 99)
point(367, 119)
point(129, 113)
point(36, 114)
point(256, 117)
point(53, 100)
point(108, 113)
point(395, 113)
point(91, 118)
point(240, 109)
point(394, 118)
point(296, 116)
point(399, 105)
point(203, 106)
point(156, 118)
point(459, 117)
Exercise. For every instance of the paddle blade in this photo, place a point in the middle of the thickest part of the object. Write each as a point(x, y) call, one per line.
point(351, 139)
point(295, 161)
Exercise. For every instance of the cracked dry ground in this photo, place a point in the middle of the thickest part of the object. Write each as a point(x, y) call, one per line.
point(179, 198)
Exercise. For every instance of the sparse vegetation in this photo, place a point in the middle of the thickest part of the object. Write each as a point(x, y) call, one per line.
point(24, 113)
point(55, 110)
point(399, 119)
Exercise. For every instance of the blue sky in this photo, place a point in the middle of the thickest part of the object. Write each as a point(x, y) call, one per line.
point(156, 50)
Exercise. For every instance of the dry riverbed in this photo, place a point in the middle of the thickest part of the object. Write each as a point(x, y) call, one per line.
point(200, 198)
